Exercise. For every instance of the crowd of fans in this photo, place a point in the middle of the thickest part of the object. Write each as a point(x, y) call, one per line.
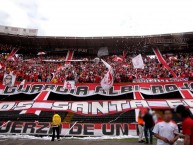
point(181, 64)
point(35, 69)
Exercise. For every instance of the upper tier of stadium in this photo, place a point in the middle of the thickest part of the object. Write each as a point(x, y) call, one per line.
point(165, 42)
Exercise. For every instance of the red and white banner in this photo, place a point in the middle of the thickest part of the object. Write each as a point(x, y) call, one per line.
point(91, 99)
point(156, 80)
point(92, 107)
point(163, 62)
point(69, 56)
point(78, 129)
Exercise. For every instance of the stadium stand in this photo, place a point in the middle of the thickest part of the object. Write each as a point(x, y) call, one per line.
point(34, 69)
point(27, 65)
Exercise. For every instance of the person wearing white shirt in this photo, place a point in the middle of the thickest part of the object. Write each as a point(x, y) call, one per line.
point(166, 131)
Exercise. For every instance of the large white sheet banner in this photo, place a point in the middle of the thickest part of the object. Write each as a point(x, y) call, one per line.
point(138, 62)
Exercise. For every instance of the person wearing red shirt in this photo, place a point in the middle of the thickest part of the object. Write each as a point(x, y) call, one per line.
point(187, 124)
point(97, 78)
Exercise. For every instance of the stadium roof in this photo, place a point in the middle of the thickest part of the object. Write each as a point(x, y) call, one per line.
point(125, 42)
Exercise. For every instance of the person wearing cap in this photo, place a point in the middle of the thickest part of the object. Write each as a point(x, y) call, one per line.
point(187, 123)
point(56, 122)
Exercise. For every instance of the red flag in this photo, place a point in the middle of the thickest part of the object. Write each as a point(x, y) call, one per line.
point(2, 66)
point(117, 59)
point(173, 58)
point(41, 53)
point(124, 54)
point(11, 56)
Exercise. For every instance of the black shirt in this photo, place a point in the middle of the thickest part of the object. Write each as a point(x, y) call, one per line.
point(148, 119)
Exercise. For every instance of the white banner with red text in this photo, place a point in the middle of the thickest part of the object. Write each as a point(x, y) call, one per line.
point(78, 129)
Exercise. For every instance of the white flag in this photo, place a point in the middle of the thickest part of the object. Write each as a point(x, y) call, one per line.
point(107, 81)
point(41, 53)
point(69, 85)
point(9, 79)
point(103, 51)
point(138, 62)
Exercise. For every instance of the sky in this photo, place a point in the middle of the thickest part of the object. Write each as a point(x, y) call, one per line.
point(99, 17)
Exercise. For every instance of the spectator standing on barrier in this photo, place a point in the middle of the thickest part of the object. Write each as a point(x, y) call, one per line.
point(187, 124)
point(166, 131)
point(56, 122)
point(148, 126)
point(140, 127)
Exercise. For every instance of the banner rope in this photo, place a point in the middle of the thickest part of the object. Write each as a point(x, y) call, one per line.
point(5, 123)
point(117, 117)
point(5, 97)
point(69, 130)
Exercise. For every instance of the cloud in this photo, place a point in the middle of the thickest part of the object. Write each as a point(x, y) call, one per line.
point(3, 18)
point(20, 13)
point(98, 17)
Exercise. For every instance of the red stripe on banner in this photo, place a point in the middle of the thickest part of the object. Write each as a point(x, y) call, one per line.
point(69, 56)
point(65, 125)
point(41, 96)
point(30, 111)
point(163, 62)
point(138, 96)
point(108, 126)
point(98, 126)
point(186, 94)
point(132, 126)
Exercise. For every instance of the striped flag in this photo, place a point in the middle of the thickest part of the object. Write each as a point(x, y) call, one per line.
point(11, 56)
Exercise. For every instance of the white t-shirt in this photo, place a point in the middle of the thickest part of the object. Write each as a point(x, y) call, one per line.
point(167, 130)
